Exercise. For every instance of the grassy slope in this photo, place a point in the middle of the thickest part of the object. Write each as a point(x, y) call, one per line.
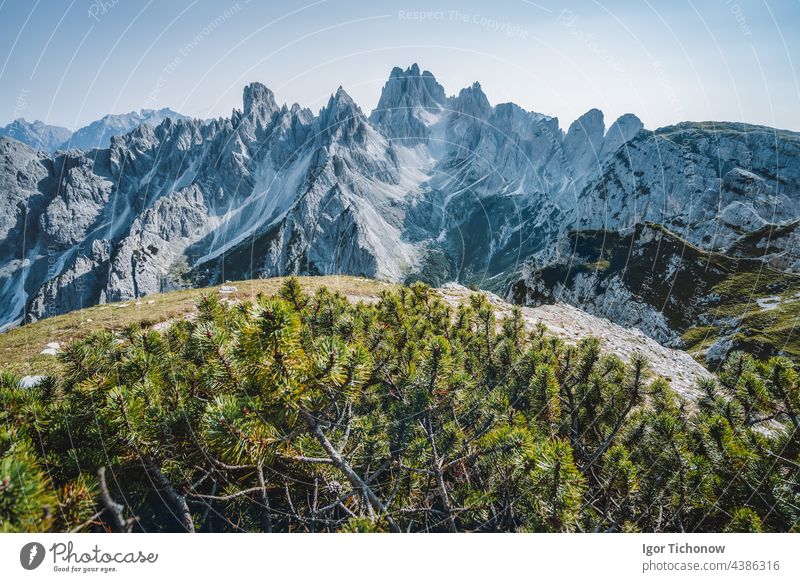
point(758, 329)
point(20, 348)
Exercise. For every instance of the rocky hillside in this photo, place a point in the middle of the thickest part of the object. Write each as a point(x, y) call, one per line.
point(683, 296)
point(428, 186)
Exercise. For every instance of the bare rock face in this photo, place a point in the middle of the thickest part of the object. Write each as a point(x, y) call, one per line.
point(680, 295)
point(428, 186)
point(156, 239)
point(408, 102)
point(616, 302)
point(24, 173)
point(621, 131)
point(81, 195)
point(584, 142)
point(472, 102)
point(259, 103)
point(80, 285)
point(26, 181)
point(707, 182)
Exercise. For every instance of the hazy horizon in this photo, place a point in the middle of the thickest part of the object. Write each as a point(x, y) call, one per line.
point(69, 63)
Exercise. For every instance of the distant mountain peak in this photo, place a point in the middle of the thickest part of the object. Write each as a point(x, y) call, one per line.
point(342, 95)
point(584, 142)
point(341, 103)
point(410, 88)
point(341, 116)
point(621, 131)
point(259, 101)
point(472, 101)
point(405, 96)
point(98, 134)
point(36, 134)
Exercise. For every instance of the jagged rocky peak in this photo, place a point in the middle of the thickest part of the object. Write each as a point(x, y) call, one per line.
point(590, 125)
point(290, 118)
point(303, 112)
point(472, 101)
point(512, 117)
point(407, 100)
point(139, 139)
point(584, 140)
point(340, 104)
point(342, 117)
point(621, 131)
point(259, 102)
point(409, 89)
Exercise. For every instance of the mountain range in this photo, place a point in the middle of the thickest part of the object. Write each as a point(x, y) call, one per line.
point(646, 227)
point(97, 134)
point(38, 135)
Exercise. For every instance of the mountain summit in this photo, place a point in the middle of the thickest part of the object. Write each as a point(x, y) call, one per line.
point(408, 100)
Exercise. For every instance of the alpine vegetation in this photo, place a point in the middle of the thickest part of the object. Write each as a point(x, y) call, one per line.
point(296, 412)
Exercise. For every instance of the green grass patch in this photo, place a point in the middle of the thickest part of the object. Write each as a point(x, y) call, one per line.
point(20, 348)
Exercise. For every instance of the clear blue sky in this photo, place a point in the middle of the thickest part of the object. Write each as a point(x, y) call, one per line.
point(68, 62)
